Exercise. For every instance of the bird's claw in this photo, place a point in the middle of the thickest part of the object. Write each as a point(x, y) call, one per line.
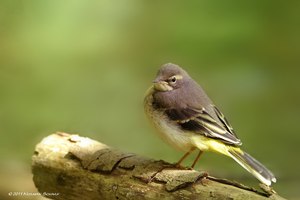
point(178, 166)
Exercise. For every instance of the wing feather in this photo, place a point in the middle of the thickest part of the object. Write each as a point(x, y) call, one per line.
point(200, 122)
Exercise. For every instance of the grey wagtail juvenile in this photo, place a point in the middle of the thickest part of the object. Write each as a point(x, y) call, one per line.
point(186, 118)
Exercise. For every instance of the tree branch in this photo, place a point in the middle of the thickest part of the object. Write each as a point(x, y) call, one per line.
point(72, 167)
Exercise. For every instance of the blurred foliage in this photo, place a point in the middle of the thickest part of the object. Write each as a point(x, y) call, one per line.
point(83, 67)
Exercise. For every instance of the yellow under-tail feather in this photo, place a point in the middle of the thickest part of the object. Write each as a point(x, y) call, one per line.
point(241, 157)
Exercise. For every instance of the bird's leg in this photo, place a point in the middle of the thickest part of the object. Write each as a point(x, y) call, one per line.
point(184, 157)
point(196, 159)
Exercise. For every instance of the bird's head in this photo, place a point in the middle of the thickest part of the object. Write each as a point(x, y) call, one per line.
point(170, 77)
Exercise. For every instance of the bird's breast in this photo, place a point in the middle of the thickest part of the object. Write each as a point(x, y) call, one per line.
point(168, 130)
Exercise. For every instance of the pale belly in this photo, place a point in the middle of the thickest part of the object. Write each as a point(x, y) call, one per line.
point(166, 129)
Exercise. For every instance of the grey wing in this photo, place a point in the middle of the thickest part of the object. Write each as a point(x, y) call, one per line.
point(201, 122)
point(224, 121)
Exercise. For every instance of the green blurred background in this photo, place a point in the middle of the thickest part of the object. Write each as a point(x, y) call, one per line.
point(83, 67)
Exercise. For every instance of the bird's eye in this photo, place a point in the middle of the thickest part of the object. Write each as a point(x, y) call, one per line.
point(173, 79)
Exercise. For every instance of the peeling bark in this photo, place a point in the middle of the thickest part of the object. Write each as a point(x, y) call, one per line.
point(75, 167)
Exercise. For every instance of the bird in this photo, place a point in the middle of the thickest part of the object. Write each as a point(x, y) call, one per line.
point(187, 119)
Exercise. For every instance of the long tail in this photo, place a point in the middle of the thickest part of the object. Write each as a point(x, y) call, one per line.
point(252, 165)
point(245, 160)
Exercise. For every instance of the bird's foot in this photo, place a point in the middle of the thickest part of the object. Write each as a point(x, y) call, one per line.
point(179, 166)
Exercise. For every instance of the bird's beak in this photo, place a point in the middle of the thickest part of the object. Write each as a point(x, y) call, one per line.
point(162, 86)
